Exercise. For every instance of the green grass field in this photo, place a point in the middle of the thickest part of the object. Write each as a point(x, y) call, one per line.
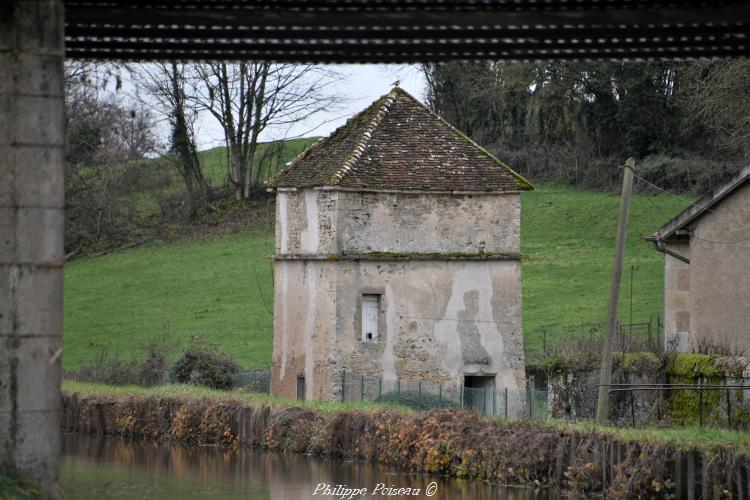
point(568, 238)
point(216, 286)
point(214, 160)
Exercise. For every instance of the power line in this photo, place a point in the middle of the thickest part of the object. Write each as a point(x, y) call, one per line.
point(682, 198)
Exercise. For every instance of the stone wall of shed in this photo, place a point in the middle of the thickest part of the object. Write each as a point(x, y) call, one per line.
point(677, 299)
point(304, 323)
point(305, 222)
point(439, 321)
point(440, 318)
point(427, 223)
point(720, 274)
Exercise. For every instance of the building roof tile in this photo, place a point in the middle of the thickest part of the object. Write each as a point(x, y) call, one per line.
point(397, 143)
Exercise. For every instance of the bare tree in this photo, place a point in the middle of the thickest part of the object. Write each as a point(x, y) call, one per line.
point(247, 99)
point(166, 83)
point(717, 96)
point(104, 137)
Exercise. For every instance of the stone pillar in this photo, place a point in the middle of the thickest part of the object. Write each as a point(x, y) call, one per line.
point(31, 236)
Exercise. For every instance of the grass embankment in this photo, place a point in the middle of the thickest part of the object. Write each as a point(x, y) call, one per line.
point(695, 438)
point(217, 286)
point(453, 443)
point(190, 392)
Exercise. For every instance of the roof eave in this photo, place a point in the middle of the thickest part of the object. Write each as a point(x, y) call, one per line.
point(704, 204)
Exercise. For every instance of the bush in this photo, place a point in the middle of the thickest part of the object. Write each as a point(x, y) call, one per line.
point(204, 365)
point(416, 400)
point(687, 173)
point(152, 369)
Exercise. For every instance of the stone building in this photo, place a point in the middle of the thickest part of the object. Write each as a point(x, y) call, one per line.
point(397, 256)
point(707, 270)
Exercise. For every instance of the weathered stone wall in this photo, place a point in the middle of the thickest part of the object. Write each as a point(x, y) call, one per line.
point(439, 321)
point(441, 317)
point(305, 222)
point(571, 379)
point(331, 222)
point(304, 327)
point(720, 274)
point(677, 298)
point(439, 223)
point(31, 236)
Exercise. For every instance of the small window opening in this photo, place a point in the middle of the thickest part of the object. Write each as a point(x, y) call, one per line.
point(370, 317)
point(301, 387)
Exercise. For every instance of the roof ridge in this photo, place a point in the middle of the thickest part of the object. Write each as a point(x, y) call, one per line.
point(361, 145)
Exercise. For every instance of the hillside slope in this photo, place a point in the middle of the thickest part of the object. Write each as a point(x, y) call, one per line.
point(217, 286)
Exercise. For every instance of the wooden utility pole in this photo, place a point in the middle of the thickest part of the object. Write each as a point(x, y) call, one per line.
point(605, 377)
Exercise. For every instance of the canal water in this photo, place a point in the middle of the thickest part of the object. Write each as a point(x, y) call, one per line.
point(95, 467)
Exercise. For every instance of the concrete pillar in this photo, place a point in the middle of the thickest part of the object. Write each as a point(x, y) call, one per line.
point(31, 236)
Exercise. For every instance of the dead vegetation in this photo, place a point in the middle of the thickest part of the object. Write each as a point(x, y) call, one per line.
point(446, 442)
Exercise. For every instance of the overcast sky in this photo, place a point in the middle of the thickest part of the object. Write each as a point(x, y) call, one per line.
point(361, 85)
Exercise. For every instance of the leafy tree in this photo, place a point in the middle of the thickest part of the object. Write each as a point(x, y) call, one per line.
point(574, 122)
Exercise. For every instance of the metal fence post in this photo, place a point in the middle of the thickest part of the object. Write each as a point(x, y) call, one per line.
point(729, 410)
point(420, 386)
point(494, 402)
point(440, 391)
point(380, 387)
point(343, 386)
point(528, 396)
point(398, 387)
point(362, 393)
point(506, 403)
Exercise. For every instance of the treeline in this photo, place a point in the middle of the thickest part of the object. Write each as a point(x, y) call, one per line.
point(687, 123)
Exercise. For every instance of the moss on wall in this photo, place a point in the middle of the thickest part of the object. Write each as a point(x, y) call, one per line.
point(684, 407)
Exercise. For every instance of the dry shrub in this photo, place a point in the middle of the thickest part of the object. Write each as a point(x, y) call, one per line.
point(292, 429)
point(202, 364)
point(343, 434)
point(723, 346)
point(146, 370)
point(453, 443)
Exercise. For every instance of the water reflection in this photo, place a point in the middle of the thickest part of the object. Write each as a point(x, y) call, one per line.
point(96, 467)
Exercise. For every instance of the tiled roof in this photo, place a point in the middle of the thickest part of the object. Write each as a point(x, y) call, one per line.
point(398, 143)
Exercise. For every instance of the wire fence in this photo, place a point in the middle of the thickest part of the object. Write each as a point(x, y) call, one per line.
point(489, 400)
point(542, 342)
point(254, 380)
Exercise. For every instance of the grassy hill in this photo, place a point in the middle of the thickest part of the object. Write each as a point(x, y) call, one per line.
point(153, 189)
point(273, 155)
point(217, 286)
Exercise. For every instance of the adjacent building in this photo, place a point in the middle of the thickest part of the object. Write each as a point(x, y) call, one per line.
point(707, 271)
point(397, 257)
